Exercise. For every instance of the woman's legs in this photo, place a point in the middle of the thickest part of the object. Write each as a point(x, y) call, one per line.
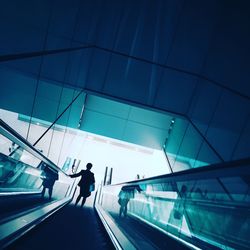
point(78, 199)
point(83, 201)
point(84, 194)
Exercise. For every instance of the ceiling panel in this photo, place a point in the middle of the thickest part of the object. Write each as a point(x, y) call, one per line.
point(17, 92)
point(173, 82)
point(150, 118)
point(108, 107)
point(144, 135)
point(193, 35)
point(103, 124)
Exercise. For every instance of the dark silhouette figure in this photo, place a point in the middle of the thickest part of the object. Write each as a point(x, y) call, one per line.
point(126, 193)
point(49, 177)
point(85, 184)
point(123, 200)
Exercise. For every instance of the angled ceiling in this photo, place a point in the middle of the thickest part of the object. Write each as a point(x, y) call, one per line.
point(146, 46)
point(189, 58)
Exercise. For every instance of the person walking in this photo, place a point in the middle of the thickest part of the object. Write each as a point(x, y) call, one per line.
point(86, 183)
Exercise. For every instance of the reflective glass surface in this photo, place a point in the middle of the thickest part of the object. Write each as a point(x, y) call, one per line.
point(22, 172)
point(186, 148)
point(205, 207)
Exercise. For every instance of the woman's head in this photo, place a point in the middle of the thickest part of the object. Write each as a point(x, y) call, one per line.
point(89, 166)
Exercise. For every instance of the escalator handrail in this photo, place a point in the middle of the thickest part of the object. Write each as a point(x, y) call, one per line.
point(12, 135)
point(183, 175)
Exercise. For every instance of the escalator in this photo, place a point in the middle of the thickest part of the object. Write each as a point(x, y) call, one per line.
point(27, 178)
point(30, 221)
point(70, 228)
point(200, 208)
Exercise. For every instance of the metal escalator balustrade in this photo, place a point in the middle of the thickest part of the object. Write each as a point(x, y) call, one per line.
point(24, 169)
point(31, 186)
point(204, 208)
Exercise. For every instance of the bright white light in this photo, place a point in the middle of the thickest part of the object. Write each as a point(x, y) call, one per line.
point(127, 160)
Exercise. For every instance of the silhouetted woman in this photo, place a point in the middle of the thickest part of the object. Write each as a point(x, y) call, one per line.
point(87, 179)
